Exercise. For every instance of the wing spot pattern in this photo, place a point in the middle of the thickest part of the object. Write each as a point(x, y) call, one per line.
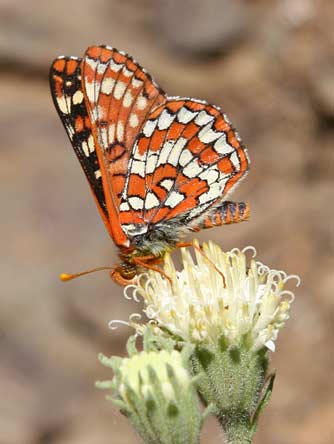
point(165, 120)
point(141, 102)
point(91, 144)
point(115, 66)
point(104, 135)
point(185, 115)
point(151, 201)
point(207, 135)
point(120, 131)
point(138, 167)
point(174, 199)
point(85, 148)
point(124, 206)
point(165, 152)
point(111, 133)
point(136, 203)
point(222, 147)
point(167, 184)
point(65, 104)
point(203, 118)
point(149, 127)
point(235, 160)
point(192, 169)
point(151, 163)
point(90, 90)
point(136, 83)
point(119, 89)
point(77, 97)
point(210, 175)
point(133, 120)
point(185, 157)
point(175, 153)
point(107, 86)
point(127, 72)
point(128, 99)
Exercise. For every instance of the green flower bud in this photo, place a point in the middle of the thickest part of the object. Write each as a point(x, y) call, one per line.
point(155, 391)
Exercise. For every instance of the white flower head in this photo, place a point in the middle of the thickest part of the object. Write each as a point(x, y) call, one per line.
point(200, 306)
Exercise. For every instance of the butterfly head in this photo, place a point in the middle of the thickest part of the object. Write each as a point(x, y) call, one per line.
point(124, 274)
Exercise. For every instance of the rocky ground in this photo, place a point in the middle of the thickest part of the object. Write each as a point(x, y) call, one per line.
point(267, 64)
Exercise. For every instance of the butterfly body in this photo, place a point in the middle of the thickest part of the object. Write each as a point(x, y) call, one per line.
point(159, 167)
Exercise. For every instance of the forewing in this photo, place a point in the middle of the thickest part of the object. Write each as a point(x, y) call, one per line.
point(186, 159)
point(68, 97)
point(120, 94)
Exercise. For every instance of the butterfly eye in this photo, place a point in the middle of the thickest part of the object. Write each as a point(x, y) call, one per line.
point(128, 272)
point(123, 274)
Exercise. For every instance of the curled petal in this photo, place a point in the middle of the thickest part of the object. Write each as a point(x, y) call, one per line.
point(293, 276)
point(114, 324)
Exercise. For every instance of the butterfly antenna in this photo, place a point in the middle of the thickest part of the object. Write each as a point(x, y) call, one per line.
point(68, 277)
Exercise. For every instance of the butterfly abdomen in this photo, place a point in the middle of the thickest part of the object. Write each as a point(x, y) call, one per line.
point(227, 213)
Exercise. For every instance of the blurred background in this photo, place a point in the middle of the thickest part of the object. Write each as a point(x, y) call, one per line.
point(267, 63)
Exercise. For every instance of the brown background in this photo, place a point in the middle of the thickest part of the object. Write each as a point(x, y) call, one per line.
point(267, 64)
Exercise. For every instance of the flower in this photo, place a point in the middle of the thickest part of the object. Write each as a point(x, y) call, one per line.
point(217, 295)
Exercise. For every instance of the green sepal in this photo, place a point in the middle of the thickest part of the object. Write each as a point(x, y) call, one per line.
point(112, 362)
point(139, 411)
point(267, 392)
point(119, 404)
point(154, 342)
point(131, 346)
point(104, 385)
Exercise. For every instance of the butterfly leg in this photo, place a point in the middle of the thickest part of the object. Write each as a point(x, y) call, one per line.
point(143, 262)
point(199, 249)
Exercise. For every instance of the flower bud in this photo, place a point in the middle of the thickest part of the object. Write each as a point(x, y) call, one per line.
point(156, 392)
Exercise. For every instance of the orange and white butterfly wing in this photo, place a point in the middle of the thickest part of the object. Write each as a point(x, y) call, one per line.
point(68, 97)
point(119, 95)
point(185, 161)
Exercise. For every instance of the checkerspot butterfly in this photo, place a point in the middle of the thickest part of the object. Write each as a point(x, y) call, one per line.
point(158, 166)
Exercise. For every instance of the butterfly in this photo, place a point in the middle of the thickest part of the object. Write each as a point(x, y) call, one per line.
point(159, 167)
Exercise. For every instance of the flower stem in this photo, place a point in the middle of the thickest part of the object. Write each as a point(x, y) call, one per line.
point(237, 429)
